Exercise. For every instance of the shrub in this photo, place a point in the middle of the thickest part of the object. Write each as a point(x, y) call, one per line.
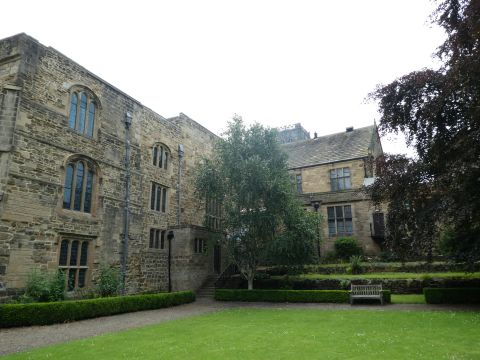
point(345, 247)
point(452, 295)
point(43, 287)
point(65, 311)
point(109, 281)
point(355, 265)
point(329, 296)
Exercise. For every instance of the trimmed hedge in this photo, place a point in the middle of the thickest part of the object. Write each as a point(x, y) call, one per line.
point(66, 311)
point(312, 296)
point(452, 295)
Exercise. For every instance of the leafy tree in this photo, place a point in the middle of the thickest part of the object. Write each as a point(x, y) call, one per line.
point(439, 111)
point(248, 176)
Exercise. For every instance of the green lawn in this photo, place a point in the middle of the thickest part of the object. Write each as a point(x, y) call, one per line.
point(390, 275)
point(287, 334)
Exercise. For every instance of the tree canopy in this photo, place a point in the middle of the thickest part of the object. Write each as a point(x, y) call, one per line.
point(248, 176)
point(439, 111)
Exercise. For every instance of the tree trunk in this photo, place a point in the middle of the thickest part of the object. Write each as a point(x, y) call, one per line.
point(250, 282)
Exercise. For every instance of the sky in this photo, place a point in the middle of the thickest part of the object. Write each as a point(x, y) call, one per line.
point(275, 62)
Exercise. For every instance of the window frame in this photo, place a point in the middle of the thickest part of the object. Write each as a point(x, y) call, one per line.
point(161, 156)
point(83, 115)
point(199, 246)
point(339, 181)
point(77, 267)
point(340, 222)
point(159, 197)
point(86, 192)
point(157, 239)
point(213, 214)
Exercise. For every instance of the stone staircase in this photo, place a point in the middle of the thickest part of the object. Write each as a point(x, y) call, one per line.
point(207, 290)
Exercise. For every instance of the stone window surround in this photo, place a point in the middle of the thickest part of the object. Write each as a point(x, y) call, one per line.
point(336, 180)
point(91, 97)
point(159, 204)
point(163, 156)
point(213, 214)
point(90, 255)
point(97, 182)
point(352, 208)
point(157, 239)
point(199, 246)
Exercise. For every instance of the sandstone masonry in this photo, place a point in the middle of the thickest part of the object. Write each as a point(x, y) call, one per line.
point(38, 147)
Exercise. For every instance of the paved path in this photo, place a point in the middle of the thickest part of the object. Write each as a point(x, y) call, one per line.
point(21, 339)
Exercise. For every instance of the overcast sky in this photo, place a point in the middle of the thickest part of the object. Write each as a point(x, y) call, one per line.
point(275, 62)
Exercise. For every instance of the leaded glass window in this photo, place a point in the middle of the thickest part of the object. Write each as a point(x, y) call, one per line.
point(74, 260)
point(82, 113)
point(158, 197)
point(340, 221)
point(340, 179)
point(79, 186)
point(160, 155)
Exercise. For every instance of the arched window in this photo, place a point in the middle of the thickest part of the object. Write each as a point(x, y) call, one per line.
point(79, 186)
point(160, 156)
point(82, 113)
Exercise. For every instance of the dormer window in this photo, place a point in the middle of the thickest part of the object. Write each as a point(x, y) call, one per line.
point(82, 113)
point(160, 156)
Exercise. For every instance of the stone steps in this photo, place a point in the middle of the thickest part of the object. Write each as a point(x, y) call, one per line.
point(207, 290)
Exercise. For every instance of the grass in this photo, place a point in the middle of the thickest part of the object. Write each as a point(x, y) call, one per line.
point(389, 275)
point(408, 299)
point(286, 334)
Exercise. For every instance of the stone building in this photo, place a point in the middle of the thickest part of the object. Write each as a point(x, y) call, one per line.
point(88, 175)
point(327, 173)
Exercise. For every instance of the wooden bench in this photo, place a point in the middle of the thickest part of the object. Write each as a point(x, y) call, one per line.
point(366, 292)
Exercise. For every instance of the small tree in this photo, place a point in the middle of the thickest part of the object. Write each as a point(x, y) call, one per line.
point(248, 176)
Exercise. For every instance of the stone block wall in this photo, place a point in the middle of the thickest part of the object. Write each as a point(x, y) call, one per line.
point(36, 83)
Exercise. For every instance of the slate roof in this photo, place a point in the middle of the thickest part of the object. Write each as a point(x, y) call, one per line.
point(330, 148)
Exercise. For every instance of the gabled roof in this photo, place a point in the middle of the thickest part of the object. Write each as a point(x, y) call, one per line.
point(331, 148)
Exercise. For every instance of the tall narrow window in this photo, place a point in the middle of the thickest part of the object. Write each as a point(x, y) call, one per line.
point(340, 179)
point(158, 197)
point(91, 119)
point(155, 155)
point(67, 193)
point(83, 110)
point(160, 156)
point(79, 186)
point(340, 220)
point(213, 214)
point(82, 113)
point(73, 111)
point(73, 260)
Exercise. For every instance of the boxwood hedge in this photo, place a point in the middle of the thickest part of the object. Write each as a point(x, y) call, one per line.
point(66, 311)
point(452, 295)
point(314, 296)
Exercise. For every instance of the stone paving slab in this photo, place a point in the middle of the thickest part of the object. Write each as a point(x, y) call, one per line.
point(25, 338)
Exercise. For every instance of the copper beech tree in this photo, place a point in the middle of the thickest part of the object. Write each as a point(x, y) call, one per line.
point(436, 196)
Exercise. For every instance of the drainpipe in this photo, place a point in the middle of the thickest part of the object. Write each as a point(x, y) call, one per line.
point(179, 182)
point(170, 237)
point(126, 218)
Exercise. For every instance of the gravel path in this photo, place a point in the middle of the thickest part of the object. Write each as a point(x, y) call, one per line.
point(21, 339)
